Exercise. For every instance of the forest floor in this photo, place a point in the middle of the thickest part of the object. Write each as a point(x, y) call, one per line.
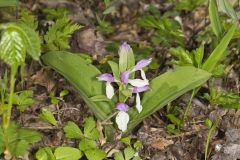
point(158, 142)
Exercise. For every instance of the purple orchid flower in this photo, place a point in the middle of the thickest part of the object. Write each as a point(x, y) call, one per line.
point(109, 79)
point(142, 63)
point(124, 48)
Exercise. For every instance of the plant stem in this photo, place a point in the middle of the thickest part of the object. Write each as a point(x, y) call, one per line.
point(208, 139)
point(188, 106)
point(7, 113)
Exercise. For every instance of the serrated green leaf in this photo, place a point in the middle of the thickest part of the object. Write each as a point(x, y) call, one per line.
point(32, 40)
point(45, 154)
point(23, 99)
point(90, 130)
point(95, 154)
point(20, 138)
point(220, 51)
point(67, 153)
point(128, 153)
point(57, 36)
point(72, 130)
point(215, 19)
point(118, 156)
point(12, 46)
point(86, 144)
point(47, 116)
point(28, 19)
point(198, 56)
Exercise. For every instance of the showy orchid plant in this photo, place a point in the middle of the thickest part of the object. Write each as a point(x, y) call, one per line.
point(127, 84)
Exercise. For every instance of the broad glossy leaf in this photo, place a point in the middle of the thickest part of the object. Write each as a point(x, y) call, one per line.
point(220, 51)
point(67, 153)
point(82, 75)
point(165, 88)
point(215, 18)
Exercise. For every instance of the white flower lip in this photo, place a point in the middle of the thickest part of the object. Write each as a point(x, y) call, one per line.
point(122, 120)
point(138, 82)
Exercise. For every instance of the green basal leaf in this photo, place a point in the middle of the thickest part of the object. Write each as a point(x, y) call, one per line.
point(165, 88)
point(90, 130)
point(128, 153)
point(45, 154)
point(83, 77)
point(226, 7)
point(67, 153)
point(100, 98)
point(47, 116)
point(219, 52)
point(72, 130)
point(95, 154)
point(215, 19)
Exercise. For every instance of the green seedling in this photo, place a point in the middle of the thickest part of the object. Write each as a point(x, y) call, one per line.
point(17, 39)
point(130, 152)
point(212, 126)
point(225, 99)
point(88, 138)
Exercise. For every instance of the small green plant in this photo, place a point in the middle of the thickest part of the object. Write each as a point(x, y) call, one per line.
point(103, 25)
point(130, 152)
point(106, 107)
point(88, 138)
point(212, 126)
point(17, 39)
point(167, 30)
point(57, 36)
point(225, 99)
